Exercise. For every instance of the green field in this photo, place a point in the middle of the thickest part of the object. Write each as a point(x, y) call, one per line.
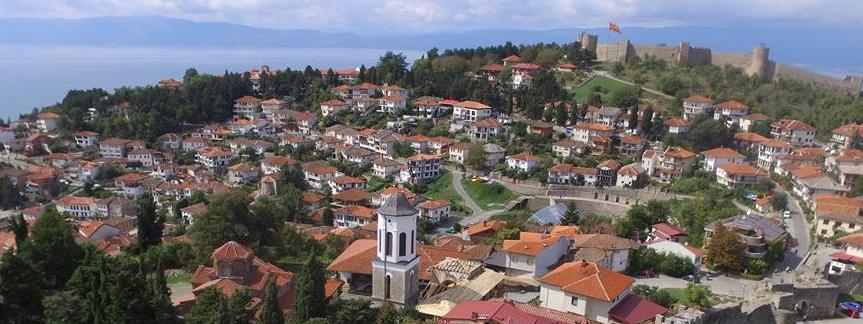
point(441, 188)
point(488, 196)
point(607, 84)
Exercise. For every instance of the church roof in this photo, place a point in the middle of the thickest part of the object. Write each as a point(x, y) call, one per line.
point(397, 205)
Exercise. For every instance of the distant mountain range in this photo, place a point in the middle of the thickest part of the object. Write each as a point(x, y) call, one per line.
point(827, 49)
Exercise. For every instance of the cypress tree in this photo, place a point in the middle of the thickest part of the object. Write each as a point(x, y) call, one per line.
point(150, 224)
point(310, 289)
point(271, 313)
point(164, 309)
point(19, 227)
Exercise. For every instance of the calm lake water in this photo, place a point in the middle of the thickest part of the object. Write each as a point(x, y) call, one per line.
point(39, 76)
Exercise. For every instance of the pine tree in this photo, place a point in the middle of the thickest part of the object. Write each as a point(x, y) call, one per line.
point(271, 313)
point(20, 294)
point(310, 289)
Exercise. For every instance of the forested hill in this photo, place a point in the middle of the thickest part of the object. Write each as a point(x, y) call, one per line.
point(823, 109)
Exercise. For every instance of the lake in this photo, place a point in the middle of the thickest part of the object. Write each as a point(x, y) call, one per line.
point(36, 76)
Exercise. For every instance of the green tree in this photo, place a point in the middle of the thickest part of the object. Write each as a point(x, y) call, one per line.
point(780, 201)
point(624, 97)
point(708, 133)
point(20, 292)
point(52, 249)
point(403, 149)
point(697, 295)
point(328, 216)
point(19, 227)
point(350, 311)
point(208, 308)
point(150, 224)
point(271, 312)
point(9, 195)
point(662, 297)
point(572, 215)
point(62, 308)
point(387, 314)
point(229, 218)
point(560, 114)
point(475, 158)
point(725, 251)
point(164, 309)
point(310, 289)
point(392, 67)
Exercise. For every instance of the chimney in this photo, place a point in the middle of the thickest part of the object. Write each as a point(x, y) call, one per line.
point(483, 223)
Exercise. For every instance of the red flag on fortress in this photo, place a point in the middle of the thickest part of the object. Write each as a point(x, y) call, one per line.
point(613, 27)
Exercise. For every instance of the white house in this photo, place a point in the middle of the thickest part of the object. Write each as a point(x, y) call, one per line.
point(523, 162)
point(87, 139)
point(333, 107)
point(716, 157)
point(471, 111)
point(533, 255)
point(696, 106)
point(682, 250)
point(435, 210)
point(793, 131)
point(584, 132)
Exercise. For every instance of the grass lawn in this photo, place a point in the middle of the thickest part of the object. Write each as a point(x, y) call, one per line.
point(442, 188)
point(488, 196)
point(606, 83)
point(847, 297)
point(178, 277)
point(375, 183)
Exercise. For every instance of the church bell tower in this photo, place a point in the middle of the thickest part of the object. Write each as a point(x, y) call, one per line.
point(395, 269)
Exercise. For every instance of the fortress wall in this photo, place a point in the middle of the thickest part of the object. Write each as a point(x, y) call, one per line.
point(698, 56)
point(850, 85)
point(665, 53)
point(737, 60)
point(619, 51)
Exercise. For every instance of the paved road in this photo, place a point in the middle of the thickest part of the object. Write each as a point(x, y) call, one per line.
point(477, 213)
point(798, 228)
point(720, 285)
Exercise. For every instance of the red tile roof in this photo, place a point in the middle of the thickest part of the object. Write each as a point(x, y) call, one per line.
point(793, 124)
point(635, 310)
point(588, 279)
point(471, 105)
point(232, 251)
point(732, 105)
point(722, 152)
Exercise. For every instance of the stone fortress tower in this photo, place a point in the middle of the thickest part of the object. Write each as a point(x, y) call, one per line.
point(395, 269)
point(759, 62)
point(588, 41)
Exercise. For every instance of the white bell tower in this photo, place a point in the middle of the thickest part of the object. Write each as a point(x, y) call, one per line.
point(395, 270)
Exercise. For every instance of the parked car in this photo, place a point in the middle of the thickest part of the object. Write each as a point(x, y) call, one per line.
point(692, 278)
point(852, 309)
point(786, 214)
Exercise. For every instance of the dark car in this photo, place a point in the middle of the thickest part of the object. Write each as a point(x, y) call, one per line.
point(692, 278)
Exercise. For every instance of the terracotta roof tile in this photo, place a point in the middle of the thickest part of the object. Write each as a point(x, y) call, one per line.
point(588, 279)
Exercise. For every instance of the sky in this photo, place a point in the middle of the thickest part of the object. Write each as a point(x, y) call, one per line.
point(423, 16)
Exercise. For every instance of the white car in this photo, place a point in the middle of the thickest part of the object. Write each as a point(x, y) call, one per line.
point(786, 214)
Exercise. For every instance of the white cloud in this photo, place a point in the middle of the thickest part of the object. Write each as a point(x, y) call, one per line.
point(395, 16)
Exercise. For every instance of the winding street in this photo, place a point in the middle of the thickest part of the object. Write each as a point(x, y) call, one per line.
point(477, 213)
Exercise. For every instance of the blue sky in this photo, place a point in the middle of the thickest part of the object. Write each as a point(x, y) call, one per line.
point(419, 16)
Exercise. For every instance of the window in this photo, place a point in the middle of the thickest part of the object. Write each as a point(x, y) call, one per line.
point(403, 244)
point(413, 242)
point(574, 301)
point(389, 243)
